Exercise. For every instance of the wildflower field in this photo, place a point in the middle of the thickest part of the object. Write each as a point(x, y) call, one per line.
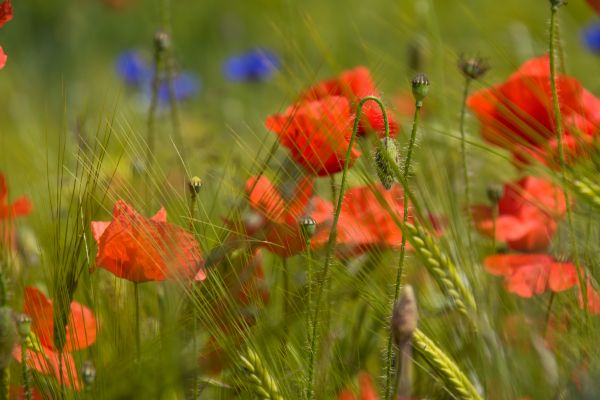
point(299, 199)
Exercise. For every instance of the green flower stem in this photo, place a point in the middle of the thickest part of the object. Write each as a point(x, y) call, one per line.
point(555, 5)
point(4, 383)
point(138, 336)
point(151, 121)
point(323, 281)
point(310, 323)
point(25, 370)
point(405, 176)
point(465, 165)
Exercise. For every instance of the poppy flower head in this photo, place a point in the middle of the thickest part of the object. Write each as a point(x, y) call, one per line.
point(354, 84)
point(8, 211)
point(6, 12)
point(140, 249)
point(3, 58)
point(255, 65)
point(81, 333)
point(317, 134)
point(518, 114)
point(366, 389)
point(527, 214)
point(527, 275)
point(595, 4)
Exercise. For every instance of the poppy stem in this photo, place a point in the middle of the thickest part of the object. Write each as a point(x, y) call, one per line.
point(286, 288)
point(554, 6)
point(399, 272)
point(25, 370)
point(323, 278)
point(138, 336)
point(4, 383)
point(310, 338)
point(495, 212)
point(465, 165)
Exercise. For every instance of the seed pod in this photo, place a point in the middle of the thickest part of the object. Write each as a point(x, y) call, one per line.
point(473, 67)
point(420, 88)
point(24, 325)
point(88, 373)
point(195, 184)
point(494, 193)
point(308, 226)
point(386, 154)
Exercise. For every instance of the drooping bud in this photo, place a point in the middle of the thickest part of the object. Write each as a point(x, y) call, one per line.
point(557, 3)
point(420, 88)
point(24, 325)
point(494, 192)
point(88, 373)
point(473, 67)
point(385, 155)
point(405, 316)
point(195, 184)
point(162, 41)
point(308, 226)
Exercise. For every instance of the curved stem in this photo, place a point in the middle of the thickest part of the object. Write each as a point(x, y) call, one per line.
point(333, 233)
point(405, 175)
point(25, 371)
point(561, 152)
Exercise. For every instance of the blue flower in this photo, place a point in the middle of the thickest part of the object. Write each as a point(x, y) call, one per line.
point(255, 65)
point(591, 37)
point(185, 86)
point(133, 69)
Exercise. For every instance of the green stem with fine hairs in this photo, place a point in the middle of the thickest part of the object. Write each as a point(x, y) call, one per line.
point(333, 233)
point(138, 335)
point(555, 5)
point(465, 166)
point(405, 175)
point(25, 371)
point(311, 350)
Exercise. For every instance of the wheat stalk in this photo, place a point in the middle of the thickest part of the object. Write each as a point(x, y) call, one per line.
point(259, 379)
point(587, 190)
point(441, 268)
point(454, 379)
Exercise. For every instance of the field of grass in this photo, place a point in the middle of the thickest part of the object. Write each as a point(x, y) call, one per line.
point(299, 199)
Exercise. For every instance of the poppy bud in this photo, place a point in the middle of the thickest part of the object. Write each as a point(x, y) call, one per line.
point(405, 316)
point(88, 373)
point(557, 3)
point(24, 325)
point(308, 226)
point(473, 67)
point(420, 88)
point(162, 41)
point(386, 154)
point(195, 184)
point(495, 192)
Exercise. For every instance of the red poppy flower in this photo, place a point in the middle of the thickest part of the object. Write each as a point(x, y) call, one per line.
point(518, 114)
point(364, 223)
point(317, 133)
point(595, 4)
point(20, 207)
point(354, 84)
point(6, 12)
point(140, 249)
point(80, 333)
point(3, 58)
point(593, 299)
point(530, 274)
point(527, 215)
point(279, 229)
point(366, 387)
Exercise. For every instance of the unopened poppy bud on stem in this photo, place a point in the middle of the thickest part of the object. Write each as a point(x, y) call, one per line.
point(420, 88)
point(195, 184)
point(494, 192)
point(88, 373)
point(473, 67)
point(385, 155)
point(308, 226)
point(23, 325)
point(405, 316)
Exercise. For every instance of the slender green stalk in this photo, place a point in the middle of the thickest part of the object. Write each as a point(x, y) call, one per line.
point(495, 212)
point(465, 166)
point(25, 371)
point(138, 335)
point(399, 271)
point(323, 281)
point(286, 289)
point(310, 323)
point(4, 383)
point(555, 5)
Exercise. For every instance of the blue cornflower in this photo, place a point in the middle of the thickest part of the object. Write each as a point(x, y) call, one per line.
point(255, 65)
point(185, 86)
point(591, 37)
point(133, 68)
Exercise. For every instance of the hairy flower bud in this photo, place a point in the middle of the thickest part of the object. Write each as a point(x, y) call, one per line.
point(386, 154)
point(195, 184)
point(494, 193)
point(473, 67)
point(405, 316)
point(420, 88)
point(88, 373)
point(24, 325)
point(308, 226)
